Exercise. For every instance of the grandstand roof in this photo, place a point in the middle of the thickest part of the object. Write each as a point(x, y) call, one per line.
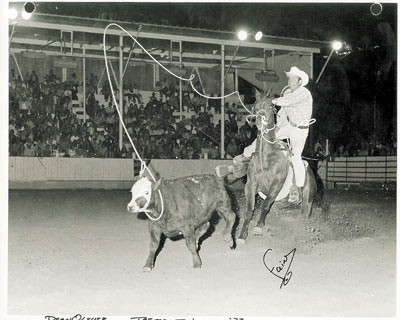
point(67, 35)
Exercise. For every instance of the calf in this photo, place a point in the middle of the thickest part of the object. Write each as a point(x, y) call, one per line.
point(189, 203)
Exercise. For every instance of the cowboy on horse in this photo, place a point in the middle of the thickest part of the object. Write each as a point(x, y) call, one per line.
point(292, 122)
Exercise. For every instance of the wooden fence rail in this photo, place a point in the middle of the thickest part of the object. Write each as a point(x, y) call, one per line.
point(381, 169)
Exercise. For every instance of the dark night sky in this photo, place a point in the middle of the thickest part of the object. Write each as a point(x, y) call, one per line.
point(351, 22)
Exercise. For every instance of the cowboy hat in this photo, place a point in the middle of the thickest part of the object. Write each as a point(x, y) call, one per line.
point(294, 71)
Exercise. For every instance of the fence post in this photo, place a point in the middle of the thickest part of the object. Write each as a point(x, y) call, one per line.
point(386, 161)
point(326, 172)
point(365, 172)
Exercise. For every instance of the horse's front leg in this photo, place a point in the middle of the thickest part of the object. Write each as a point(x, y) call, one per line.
point(272, 193)
point(258, 229)
point(250, 193)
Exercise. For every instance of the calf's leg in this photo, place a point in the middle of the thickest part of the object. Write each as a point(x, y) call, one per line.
point(190, 238)
point(200, 231)
point(155, 235)
point(229, 216)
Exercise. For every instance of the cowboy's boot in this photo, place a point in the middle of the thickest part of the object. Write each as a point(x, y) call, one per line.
point(223, 170)
point(295, 195)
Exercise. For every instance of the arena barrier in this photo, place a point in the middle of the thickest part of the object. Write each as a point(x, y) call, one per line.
point(77, 173)
point(59, 173)
point(97, 173)
point(360, 170)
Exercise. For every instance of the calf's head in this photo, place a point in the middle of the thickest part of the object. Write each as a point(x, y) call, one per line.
point(142, 191)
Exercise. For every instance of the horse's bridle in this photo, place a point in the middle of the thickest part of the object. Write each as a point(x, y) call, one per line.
point(263, 117)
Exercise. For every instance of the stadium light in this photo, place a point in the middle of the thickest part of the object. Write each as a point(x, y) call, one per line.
point(12, 14)
point(26, 15)
point(337, 45)
point(258, 36)
point(242, 35)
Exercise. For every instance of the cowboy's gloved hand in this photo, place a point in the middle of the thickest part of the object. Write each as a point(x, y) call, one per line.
point(247, 154)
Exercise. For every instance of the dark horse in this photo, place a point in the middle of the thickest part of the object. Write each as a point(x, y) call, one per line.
point(268, 169)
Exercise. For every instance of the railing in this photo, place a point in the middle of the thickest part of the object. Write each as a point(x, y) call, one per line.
point(380, 169)
point(103, 173)
point(34, 172)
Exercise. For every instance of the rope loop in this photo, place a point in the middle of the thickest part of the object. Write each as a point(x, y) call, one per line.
point(142, 167)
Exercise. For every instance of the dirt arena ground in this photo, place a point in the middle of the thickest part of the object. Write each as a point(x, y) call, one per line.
point(81, 252)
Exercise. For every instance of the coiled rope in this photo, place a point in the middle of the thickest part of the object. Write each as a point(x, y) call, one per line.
point(190, 79)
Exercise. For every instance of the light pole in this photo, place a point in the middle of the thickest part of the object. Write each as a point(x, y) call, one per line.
point(336, 46)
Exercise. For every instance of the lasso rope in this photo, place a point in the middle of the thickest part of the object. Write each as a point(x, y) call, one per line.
point(142, 162)
point(190, 79)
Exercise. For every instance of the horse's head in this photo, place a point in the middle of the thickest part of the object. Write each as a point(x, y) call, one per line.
point(264, 109)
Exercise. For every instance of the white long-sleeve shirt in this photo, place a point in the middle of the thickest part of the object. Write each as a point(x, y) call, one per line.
point(296, 105)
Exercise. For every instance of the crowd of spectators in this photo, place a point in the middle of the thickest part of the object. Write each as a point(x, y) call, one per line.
point(42, 121)
point(380, 147)
point(357, 148)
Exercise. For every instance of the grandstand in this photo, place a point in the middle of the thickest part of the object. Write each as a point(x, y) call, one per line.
point(58, 77)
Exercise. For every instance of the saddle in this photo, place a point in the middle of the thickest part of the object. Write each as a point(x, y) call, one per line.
point(287, 189)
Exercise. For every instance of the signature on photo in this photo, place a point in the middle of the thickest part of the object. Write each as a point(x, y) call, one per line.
point(281, 269)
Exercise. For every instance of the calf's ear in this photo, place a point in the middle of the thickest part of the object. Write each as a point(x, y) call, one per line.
point(157, 184)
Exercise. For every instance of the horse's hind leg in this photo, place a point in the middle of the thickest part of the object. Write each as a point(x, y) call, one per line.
point(250, 192)
point(306, 208)
point(309, 191)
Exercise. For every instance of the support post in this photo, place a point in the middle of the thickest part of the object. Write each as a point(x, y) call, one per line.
point(72, 43)
point(113, 72)
point(311, 134)
point(84, 83)
point(121, 87)
point(180, 81)
point(374, 120)
point(17, 64)
point(222, 102)
point(131, 51)
point(200, 80)
point(101, 77)
point(323, 68)
point(265, 69)
point(327, 158)
point(64, 74)
point(236, 80)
